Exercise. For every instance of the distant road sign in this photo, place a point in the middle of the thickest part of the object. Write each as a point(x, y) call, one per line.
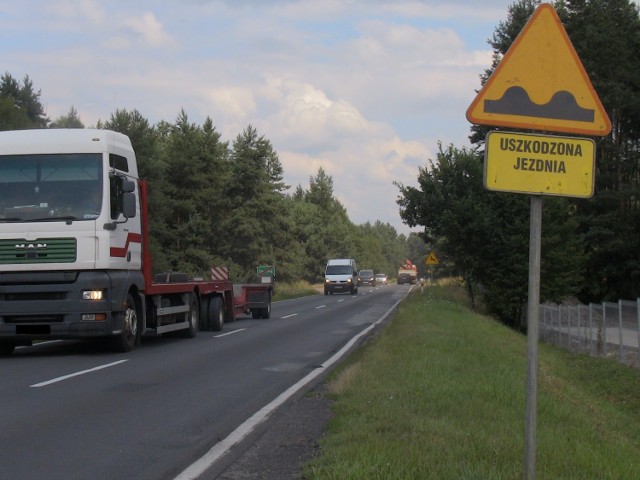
point(432, 259)
point(540, 84)
point(266, 271)
point(539, 164)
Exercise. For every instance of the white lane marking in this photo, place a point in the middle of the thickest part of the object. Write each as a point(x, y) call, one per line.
point(197, 468)
point(341, 300)
point(229, 333)
point(289, 316)
point(65, 377)
point(320, 306)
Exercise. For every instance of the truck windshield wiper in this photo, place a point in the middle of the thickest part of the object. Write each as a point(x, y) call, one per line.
point(64, 218)
point(60, 218)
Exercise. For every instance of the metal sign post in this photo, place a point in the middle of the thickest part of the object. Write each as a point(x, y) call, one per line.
point(535, 233)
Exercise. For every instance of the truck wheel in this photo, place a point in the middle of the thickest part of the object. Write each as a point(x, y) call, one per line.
point(193, 317)
point(256, 312)
point(126, 340)
point(216, 314)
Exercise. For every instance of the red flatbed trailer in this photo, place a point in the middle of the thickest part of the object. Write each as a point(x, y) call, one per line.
point(219, 301)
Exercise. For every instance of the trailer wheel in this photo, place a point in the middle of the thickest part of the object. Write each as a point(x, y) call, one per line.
point(266, 312)
point(127, 338)
point(193, 317)
point(216, 314)
point(256, 312)
point(205, 320)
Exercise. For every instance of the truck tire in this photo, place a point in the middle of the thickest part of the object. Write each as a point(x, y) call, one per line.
point(205, 320)
point(193, 317)
point(266, 311)
point(256, 312)
point(126, 340)
point(216, 314)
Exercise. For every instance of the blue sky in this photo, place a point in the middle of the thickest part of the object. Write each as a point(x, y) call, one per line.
point(364, 89)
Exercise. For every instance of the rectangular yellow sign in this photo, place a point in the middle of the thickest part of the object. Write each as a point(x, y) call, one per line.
point(539, 164)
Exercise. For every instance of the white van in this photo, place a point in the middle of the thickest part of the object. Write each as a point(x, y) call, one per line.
point(341, 275)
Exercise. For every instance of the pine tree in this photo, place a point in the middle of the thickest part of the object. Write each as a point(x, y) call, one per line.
point(257, 220)
point(29, 112)
point(70, 120)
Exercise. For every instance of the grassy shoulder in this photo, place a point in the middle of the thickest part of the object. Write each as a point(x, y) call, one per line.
point(440, 393)
point(285, 291)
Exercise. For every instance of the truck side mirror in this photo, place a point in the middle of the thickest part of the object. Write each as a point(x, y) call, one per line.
point(129, 203)
point(128, 186)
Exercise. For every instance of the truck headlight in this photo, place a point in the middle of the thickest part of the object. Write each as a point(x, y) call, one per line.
point(93, 295)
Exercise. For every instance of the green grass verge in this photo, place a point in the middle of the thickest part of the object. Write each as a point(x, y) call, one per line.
point(440, 394)
point(284, 291)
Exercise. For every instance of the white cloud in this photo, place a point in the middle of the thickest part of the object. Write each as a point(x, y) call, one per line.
point(309, 120)
point(149, 29)
point(235, 103)
point(406, 43)
point(362, 157)
point(83, 10)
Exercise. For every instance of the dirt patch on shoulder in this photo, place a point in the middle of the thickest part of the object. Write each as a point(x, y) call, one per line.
point(290, 441)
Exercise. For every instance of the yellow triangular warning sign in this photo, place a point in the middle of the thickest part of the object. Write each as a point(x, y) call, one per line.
point(432, 259)
point(540, 84)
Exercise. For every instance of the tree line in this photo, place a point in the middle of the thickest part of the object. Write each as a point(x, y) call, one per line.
point(220, 203)
point(590, 247)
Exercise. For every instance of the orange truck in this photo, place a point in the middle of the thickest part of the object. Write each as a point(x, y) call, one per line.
point(407, 273)
point(74, 249)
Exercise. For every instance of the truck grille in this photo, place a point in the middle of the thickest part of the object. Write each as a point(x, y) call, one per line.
point(46, 250)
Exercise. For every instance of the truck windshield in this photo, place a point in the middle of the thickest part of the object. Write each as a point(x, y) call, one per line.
point(339, 270)
point(50, 187)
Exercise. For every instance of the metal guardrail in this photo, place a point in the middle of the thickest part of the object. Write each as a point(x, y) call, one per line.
point(606, 329)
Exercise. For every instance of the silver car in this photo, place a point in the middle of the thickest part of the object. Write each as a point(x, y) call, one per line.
point(381, 278)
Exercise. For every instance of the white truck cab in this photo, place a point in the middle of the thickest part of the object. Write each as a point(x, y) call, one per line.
point(70, 231)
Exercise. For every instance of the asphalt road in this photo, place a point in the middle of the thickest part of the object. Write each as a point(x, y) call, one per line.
point(73, 410)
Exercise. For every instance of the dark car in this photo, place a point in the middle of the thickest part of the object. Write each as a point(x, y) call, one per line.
point(367, 277)
point(406, 278)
